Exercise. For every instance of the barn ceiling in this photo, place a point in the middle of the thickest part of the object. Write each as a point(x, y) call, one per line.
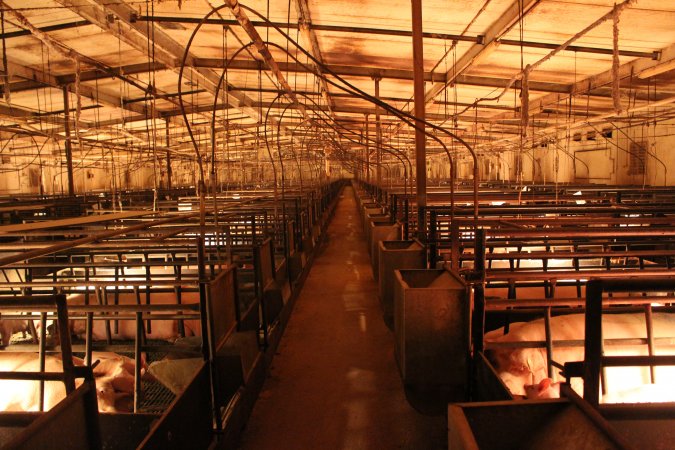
point(303, 74)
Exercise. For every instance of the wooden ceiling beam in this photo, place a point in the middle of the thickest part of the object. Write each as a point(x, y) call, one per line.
point(603, 81)
point(305, 26)
point(517, 10)
point(166, 51)
point(264, 52)
point(404, 33)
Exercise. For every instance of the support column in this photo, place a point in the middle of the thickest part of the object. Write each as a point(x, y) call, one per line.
point(361, 172)
point(367, 150)
point(69, 147)
point(169, 172)
point(378, 135)
point(420, 144)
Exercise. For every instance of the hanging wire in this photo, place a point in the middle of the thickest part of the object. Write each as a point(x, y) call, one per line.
point(346, 86)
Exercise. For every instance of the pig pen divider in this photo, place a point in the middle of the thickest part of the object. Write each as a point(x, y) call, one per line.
point(77, 412)
point(594, 360)
point(79, 408)
point(498, 280)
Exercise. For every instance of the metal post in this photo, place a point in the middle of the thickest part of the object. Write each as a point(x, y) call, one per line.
point(367, 151)
point(169, 172)
point(420, 144)
point(378, 136)
point(433, 244)
point(66, 349)
point(69, 147)
point(593, 342)
point(406, 223)
point(479, 292)
point(393, 212)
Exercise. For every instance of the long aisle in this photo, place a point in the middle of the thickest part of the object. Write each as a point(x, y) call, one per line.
point(334, 382)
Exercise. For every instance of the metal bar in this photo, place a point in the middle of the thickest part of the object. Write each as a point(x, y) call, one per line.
point(479, 292)
point(41, 355)
point(653, 284)
point(580, 343)
point(169, 172)
point(406, 212)
point(148, 292)
point(527, 275)
point(137, 360)
point(207, 341)
point(433, 246)
point(566, 233)
point(89, 239)
point(455, 250)
point(46, 29)
point(101, 297)
point(650, 339)
point(378, 136)
point(420, 106)
point(593, 342)
point(549, 342)
point(619, 361)
point(89, 330)
point(64, 338)
point(75, 309)
point(42, 376)
point(68, 143)
point(502, 305)
point(579, 48)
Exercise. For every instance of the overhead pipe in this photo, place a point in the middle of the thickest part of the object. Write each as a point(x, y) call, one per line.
point(404, 116)
point(68, 143)
point(219, 86)
point(250, 29)
point(420, 106)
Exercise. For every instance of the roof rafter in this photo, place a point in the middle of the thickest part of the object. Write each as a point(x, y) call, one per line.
point(517, 10)
point(166, 50)
point(305, 26)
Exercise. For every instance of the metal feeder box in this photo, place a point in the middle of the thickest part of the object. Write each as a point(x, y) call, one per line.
point(550, 424)
point(381, 231)
point(394, 255)
point(431, 326)
point(379, 219)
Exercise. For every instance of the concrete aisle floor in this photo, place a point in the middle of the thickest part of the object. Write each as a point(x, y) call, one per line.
point(334, 383)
